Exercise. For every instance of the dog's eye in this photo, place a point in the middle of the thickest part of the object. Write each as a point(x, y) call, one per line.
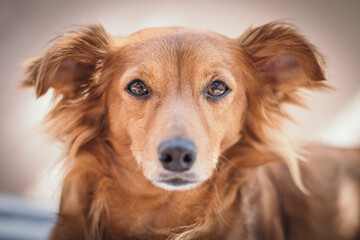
point(217, 89)
point(137, 88)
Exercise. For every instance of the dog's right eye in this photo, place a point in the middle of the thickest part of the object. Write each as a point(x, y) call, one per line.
point(138, 88)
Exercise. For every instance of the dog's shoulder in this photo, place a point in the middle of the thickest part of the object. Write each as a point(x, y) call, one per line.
point(330, 209)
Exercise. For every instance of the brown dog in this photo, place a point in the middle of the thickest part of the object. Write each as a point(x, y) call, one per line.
point(176, 133)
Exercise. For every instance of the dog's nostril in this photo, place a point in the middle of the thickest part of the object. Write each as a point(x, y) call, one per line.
point(188, 158)
point(167, 158)
point(177, 155)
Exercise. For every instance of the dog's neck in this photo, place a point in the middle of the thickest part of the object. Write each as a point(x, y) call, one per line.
point(140, 209)
point(147, 208)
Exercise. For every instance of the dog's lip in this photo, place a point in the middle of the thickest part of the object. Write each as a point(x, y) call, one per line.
point(176, 181)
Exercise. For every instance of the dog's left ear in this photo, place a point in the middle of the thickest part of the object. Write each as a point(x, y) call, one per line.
point(283, 59)
point(280, 62)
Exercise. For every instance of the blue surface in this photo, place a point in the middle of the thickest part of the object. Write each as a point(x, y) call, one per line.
point(24, 219)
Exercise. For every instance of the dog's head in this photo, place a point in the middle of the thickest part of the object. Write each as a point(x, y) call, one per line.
point(177, 98)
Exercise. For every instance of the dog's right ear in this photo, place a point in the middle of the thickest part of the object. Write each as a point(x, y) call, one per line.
point(68, 65)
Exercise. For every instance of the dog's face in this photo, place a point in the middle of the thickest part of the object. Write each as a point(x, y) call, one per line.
point(174, 98)
point(180, 99)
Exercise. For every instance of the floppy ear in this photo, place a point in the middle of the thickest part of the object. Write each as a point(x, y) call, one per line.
point(69, 63)
point(280, 61)
point(72, 67)
point(283, 59)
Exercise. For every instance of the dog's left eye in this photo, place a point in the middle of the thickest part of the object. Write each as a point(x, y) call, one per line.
point(137, 88)
point(217, 89)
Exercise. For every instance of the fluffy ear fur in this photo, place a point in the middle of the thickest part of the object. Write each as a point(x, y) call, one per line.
point(73, 67)
point(282, 57)
point(281, 62)
point(69, 63)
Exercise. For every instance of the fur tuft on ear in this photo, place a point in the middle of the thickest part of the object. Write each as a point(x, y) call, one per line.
point(69, 62)
point(283, 57)
point(282, 61)
point(73, 67)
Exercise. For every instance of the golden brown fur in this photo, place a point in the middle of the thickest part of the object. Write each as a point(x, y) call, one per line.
point(251, 184)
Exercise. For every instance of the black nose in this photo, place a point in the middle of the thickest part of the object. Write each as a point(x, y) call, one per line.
point(177, 155)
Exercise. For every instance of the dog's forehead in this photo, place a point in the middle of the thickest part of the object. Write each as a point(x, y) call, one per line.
point(180, 48)
point(175, 41)
point(181, 34)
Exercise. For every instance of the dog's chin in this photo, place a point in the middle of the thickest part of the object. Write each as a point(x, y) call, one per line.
point(176, 184)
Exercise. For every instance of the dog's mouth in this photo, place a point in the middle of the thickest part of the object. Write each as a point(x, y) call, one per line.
point(176, 183)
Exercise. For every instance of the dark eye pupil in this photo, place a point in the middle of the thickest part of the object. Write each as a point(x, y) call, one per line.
point(138, 88)
point(217, 89)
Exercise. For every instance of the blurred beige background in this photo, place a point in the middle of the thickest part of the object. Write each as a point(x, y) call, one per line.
point(27, 157)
